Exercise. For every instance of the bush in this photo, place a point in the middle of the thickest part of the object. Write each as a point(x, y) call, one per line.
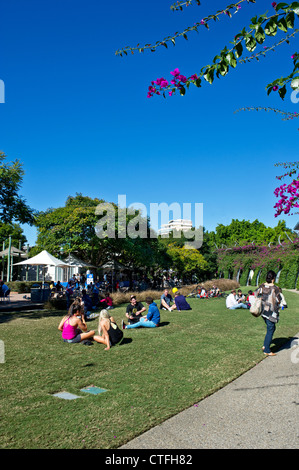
point(21, 287)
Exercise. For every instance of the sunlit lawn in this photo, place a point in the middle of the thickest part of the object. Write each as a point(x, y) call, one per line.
point(153, 375)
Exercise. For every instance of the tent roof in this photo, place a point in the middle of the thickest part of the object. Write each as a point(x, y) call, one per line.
point(43, 258)
point(113, 265)
point(72, 260)
point(14, 252)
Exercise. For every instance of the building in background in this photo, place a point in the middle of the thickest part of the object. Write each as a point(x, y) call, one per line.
point(178, 224)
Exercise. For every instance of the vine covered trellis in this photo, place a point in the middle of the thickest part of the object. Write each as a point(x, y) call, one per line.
point(249, 264)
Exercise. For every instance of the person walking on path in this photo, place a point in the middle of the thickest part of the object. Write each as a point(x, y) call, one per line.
point(271, 300)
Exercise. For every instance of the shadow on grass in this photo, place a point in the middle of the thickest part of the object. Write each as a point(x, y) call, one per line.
point(282, 343)
point(6, 317)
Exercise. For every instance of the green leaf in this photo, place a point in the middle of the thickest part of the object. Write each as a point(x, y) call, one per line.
point(290, 19)
point(209, 75)
point(231, 59)
point(198, 82)
point(282, 24)
point(282, 91)
point(271, 28)
point(222, 68)
point(281, 5)
point(239, 50)
point(295, 7)
point(260, 35)
point(182, 91)
point(250, 43)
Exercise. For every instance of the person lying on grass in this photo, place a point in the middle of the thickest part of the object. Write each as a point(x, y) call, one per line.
point(73, 325)
point(109, 333)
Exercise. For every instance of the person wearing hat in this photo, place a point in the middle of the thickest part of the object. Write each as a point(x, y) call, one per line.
point(134, 310)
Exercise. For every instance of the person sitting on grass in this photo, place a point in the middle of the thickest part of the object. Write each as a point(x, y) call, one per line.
point(87, 302)
point(181, 302)
point(107, 301)
point(240, 297)
point(109, 333)
point(151, 320)
point(232, 303)
point(5, 290)
point(283, 303)
point(166, 301)
point(134, 310)
point(73, 325)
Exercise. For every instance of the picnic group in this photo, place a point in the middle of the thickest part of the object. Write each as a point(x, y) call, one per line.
point(74, 328)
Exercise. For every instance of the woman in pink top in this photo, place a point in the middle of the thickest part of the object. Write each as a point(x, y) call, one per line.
point(73, 324)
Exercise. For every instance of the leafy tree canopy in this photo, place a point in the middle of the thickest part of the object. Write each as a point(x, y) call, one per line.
point(13, 207)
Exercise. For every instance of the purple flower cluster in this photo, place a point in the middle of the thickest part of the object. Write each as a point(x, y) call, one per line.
point(178, 81)
point(289, 197)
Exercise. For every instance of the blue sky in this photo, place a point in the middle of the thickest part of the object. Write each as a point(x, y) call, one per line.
point(78, 118)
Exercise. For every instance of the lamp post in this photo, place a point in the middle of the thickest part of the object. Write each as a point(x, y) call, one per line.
point(9, 260)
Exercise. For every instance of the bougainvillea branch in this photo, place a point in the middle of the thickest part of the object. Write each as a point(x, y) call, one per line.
point(179, 5)
point(288, 193)
point(269, 48)
point(283, 19)
point(172, 39)
point(286, 115)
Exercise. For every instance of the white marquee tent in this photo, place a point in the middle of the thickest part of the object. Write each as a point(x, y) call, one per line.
point(44, 258)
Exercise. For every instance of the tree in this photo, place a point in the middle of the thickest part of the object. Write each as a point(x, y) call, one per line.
point(14, 231)
point(282, 20)
point(73, 228)
point(13, 207)
point(187, 262)
point(240, 233)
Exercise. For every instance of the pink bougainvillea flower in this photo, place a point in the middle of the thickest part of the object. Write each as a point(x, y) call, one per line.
point(175, 72)
point(274, 4)
point(275, 88)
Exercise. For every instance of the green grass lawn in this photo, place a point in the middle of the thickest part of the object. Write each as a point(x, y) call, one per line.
point(153, 375)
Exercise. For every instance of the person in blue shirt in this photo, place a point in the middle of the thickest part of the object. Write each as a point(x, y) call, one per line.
point(88, 305)
point(151, 320)
point(181, 302)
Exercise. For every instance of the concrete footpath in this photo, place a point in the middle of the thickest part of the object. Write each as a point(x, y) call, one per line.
point(259, 410)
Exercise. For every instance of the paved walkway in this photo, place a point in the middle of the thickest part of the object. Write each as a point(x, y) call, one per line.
point(18, 302)
point(259, 410)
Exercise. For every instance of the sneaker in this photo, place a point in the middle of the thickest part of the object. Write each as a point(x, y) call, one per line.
point(123, 325)
point(93, 315)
